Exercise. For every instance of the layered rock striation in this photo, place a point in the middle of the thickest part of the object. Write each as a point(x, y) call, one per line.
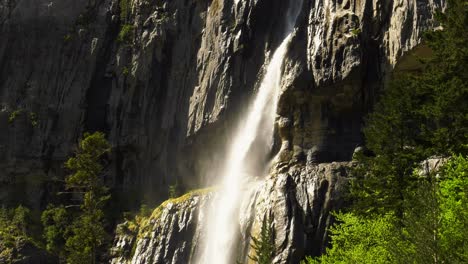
point(299, 201)
point(169, 88)
point(167, 81)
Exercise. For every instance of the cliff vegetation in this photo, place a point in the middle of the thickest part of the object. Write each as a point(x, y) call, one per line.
point(410, 189)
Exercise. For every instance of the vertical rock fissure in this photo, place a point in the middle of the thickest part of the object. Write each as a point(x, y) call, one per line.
point(256, 131)
point(97, 96)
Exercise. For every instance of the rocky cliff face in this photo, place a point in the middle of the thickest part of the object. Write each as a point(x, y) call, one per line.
point(171, 88)
point(167, 80)
point(299, 200)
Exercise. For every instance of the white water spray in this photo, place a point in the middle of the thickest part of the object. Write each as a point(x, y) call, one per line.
point(223, 223)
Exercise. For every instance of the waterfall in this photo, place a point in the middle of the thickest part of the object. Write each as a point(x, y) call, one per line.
point(222, 224)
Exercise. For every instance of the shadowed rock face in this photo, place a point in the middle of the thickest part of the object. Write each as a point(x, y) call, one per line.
point(168, 95)
point(299, 200)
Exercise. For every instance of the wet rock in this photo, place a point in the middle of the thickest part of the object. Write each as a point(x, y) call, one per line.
point(299, 200)
point(176, 88)
point(169, 235)
point(170, 93)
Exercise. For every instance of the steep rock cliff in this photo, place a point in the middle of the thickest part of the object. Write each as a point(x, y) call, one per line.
point(341, 55)
point(174, 87)
point(299, 200)
point(170, 88)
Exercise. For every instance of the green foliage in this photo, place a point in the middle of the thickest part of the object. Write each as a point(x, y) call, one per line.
point(445, 81)
point(14, 228)
point(145, 211)
point(79, 241)
point(14, 115)
point(174, 190)
point(55, 221)
point(400, 215)
point(16, 221)
point(420, 224)
point(360, 240)
point(418, 116)
point(431, 230)
point(392, 134)
point(355, 32)
point(67, 37)
point(125, 34)
point(87, 231)
point(264, 245)
point(125, 6)
point(125, 71)
point(33, 119)
point(86, 235)
point(453, 198)
point(31, 115)
point(133, 221)
point(85, 164)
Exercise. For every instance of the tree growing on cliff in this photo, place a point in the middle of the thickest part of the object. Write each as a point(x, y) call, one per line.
point(80, 240)
point(432, 230)
point(453, 197)
point(359, 240)
point(419, 116)
point(15, 230)
point(55, 221)
point(264, 245)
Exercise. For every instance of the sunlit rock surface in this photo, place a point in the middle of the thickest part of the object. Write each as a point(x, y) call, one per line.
point(169, 97)
point(174, 91)
point(299, 200)
point(163, 236)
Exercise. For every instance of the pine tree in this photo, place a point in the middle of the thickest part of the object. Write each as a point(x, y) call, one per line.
point(358, 239)
point(418, 116)
point(15, 229)
point(264, 245)
point(83, 237)
point(432, 229)
point(453, 198)
point(55, 221)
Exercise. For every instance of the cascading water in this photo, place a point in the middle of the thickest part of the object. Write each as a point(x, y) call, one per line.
point(222, 223)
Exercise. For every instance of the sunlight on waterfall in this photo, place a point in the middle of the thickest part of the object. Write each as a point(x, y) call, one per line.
point(259, 122)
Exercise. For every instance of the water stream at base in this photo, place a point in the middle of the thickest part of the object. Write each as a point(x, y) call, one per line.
point(222, 225)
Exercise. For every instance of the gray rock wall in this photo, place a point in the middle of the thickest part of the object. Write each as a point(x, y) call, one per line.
point(299, 200)
point(170, 95)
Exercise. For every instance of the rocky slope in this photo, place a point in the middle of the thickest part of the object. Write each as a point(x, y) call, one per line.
point(299, 200)
point(167, 80)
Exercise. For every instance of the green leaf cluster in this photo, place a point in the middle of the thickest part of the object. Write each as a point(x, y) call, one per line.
point(174, 190)
point(264, 244)
point(55, 221)
point(453, 195)
point(431, 230)
point(18, 112)
point(360, 240)
point(402, 213)
point(15, 225)
point(419, 115)
point(125, 6)
point(125, 34)
point(76, 232)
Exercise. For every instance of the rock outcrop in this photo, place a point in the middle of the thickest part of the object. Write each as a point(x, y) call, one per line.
point(170, 87)
point(299, 201)
point(167, 80)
